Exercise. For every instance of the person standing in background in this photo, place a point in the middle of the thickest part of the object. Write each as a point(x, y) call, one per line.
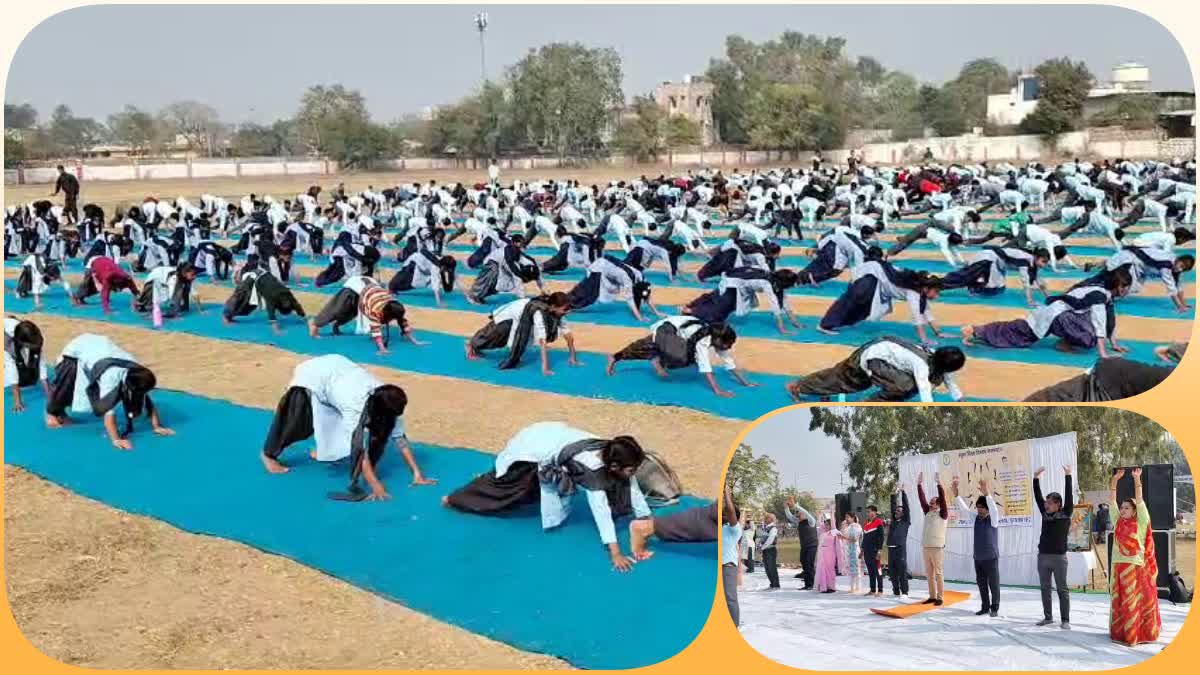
point(806, 530)
point(1100, 524)
point(933, 538)
point(872, 543)
point(1133, 615)
point(731, 533)
point(897, 543)
point(748, 542)
point(770, 554)
point(986, 521)
point(1052, 547)
point(853, 535)
point(69, 186)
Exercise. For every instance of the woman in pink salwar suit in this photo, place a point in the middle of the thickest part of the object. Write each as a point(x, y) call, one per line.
point(829, 553)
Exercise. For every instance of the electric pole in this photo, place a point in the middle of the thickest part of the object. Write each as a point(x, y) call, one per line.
point(481, 24)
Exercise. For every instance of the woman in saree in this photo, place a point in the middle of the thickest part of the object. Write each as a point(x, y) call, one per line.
point(1134, 617)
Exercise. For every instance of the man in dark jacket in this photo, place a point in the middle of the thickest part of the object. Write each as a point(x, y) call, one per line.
point(1101, 523)
point(872, 543)
point(897, 543)
point(1052, 547)
point(806, 528)
point(69, 186)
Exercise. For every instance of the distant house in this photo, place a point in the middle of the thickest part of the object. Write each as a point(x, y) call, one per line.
point(691, 98)
point(1126, 78)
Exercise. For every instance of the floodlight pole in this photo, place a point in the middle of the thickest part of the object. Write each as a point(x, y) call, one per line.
point(481, 24)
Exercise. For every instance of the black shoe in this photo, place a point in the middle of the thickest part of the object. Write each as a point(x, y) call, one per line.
point(994, 613)
point(929, 601)
point(937, 603)
point(981, 612)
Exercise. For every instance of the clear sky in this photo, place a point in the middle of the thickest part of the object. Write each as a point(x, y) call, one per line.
point(808, 460)
point(252, 62)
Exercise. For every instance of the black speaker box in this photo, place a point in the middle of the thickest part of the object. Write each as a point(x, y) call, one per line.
point(1158, 489)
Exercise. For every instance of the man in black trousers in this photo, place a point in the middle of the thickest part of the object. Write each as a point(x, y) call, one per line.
point(897, 543)
point(69, 186)
point(806, 528)
point(770, 554)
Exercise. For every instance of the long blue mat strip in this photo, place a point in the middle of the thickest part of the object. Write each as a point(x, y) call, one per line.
point(501, 577)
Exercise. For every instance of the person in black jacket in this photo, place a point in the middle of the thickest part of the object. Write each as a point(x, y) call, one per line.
point(872, 543)
point(1052, 547)
point(806, 529)
point(69, 186)
point(897, 543)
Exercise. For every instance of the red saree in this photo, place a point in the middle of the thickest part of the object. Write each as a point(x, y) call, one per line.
point(1134, 618)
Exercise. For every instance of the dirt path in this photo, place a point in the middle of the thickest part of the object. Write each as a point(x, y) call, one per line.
point(92, 586)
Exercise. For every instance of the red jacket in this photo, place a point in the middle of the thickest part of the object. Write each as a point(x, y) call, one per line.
point(106, 273)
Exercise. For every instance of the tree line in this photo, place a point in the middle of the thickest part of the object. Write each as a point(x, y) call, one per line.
point(797, 92)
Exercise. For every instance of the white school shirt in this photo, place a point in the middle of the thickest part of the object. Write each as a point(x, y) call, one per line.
point(11, 378)
point(88, 349)
point(905, 360)
point(942, 239)
point(1163, 241)
point(703, 362)
point(541, 443)
point(339, 390)
point(513, 311)
point(886, 293)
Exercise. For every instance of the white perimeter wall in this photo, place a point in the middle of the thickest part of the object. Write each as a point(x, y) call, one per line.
point(969, 148)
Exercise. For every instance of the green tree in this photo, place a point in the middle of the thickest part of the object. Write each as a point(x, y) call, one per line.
point(136, 128)
point(563, 96)
point(899, 106)
point(641, 135)
point(197, 123)
point(1132, 111)
point(325, 110)
point(942, 111)
point(794, 117)
point(820, 76)
point(23, 116)
point(776, 500)
point(354, 141)
point(751, 479)
point(68, 134)
point(977, 80)
point(258, 140)
point(1063, 86)
point(681, 132)
point(874, 438)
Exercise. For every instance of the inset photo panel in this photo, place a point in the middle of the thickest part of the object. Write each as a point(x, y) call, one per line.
point(964, 538)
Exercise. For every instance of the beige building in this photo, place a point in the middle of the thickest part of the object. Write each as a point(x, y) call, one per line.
point(691, 98)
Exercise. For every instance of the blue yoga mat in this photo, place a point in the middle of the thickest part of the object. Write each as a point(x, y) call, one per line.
point(635, 382)
point(501, 577)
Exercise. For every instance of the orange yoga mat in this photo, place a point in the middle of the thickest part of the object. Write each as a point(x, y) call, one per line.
point(905, 611)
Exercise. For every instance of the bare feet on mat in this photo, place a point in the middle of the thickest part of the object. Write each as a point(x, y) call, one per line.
point(611, 367)
point(472, 353)
point(272, 465)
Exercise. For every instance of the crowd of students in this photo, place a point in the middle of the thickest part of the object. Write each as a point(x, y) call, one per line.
point(851, 546)
point(652, 222)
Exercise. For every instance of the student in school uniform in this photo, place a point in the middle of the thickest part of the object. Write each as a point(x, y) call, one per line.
point(36, 276)
point(94, 375)
point(985, 519)
point(547, 463)
point(102, 275)
point(424, 269)
point(839, 250)
point(898, 368)
point(349, 413)
point(610, 279)
point(874, 289)
point(256, 287)
point(648, 251)
point(738, 293)
point(987, 272)
point(1082, 318)
point(525, 322)
point(23, 364)
point(370, 306)
point(681, 341)
point(1144, 264)
point(504, 267)
point(169, 291)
